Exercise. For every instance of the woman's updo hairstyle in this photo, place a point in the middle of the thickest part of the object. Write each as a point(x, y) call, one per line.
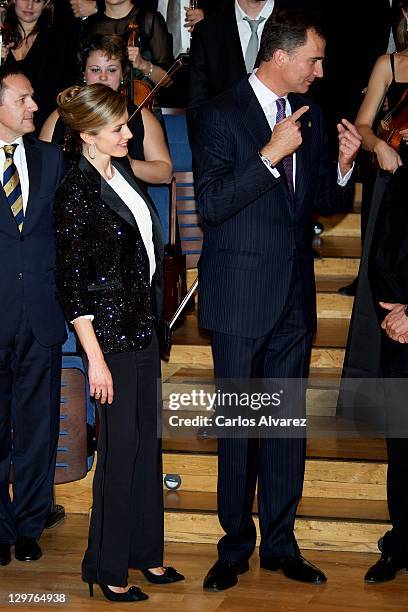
point(90, 108)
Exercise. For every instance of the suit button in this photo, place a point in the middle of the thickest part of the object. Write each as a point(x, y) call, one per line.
point(20, 276)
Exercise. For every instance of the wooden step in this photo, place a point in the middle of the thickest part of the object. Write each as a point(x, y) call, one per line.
point(325, 283)
point(201, 356)
point(311, 534)
point(338, 246)
point(336, 266)
point(319, 507)
point(331, 284)
point(343, 449)
point(323, 478)
point(332, 331)
point(342, 225)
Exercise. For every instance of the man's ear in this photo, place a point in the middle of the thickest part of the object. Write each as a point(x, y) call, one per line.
point(280, 56)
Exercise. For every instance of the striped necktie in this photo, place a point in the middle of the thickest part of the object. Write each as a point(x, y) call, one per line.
point(11, 185)
point(287, 162)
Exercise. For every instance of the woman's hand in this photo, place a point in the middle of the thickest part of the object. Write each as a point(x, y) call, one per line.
point(404, 134)
point(83, 8)
point(395, 324)
point(5, 50)
point(100, 380)
point(387, 158)
point(137, 61)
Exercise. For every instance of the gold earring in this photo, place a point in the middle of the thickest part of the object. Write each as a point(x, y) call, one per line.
point(92, 151)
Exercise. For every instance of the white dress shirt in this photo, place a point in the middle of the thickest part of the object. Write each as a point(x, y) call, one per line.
point(244, 29)
point(267, 99)
point(21, 165)
point(139, 210)
point(162, 6)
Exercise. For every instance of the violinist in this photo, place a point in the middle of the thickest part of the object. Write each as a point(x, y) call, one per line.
point(103, 60)
point(151, 53)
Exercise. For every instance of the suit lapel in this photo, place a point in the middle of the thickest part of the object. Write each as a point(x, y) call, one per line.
point(157, 230)
point(254, 119)
point(107, 194)
point(303, 152)
point(257, 126)
point(115, 203)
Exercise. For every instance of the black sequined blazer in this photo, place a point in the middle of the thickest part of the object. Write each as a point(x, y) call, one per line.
point(102, 265)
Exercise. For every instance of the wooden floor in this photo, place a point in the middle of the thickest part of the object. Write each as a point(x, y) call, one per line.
point(59, 572)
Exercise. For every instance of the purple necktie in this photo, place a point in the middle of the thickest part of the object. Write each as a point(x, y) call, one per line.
point(287, 162)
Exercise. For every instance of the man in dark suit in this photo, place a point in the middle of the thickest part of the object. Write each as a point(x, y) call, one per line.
point(259, 177)
point(33, 328)
point(220, 43)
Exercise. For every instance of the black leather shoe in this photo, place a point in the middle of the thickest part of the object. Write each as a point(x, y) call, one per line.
point(5, 556)
point(55, 516)
point(294, 567)
point(27, 549)
point(350, 289)
point(132, 594)
point(170, 575)
point(224, 575)
point(385, 569)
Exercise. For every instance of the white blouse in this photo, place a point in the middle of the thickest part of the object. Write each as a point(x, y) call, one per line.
point(139, 210)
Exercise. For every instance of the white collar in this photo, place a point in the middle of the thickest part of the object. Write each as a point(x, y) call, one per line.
point(265, 96)
point(265, 12)
point(17, 141)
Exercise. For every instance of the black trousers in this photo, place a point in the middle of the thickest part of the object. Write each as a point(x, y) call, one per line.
point(277, 463)
point(126, 529)
point(394, 360)
point(30, 386)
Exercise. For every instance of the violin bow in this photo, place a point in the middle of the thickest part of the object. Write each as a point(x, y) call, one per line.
point(171, 71)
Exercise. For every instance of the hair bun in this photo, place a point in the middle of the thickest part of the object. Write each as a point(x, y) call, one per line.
point(68, 94)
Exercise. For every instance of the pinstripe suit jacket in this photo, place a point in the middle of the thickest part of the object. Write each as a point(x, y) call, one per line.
point(254, 234)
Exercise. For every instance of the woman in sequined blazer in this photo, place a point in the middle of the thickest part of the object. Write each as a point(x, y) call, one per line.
point(109, 284)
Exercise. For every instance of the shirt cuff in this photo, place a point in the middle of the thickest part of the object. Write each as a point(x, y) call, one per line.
point(343, 180)
point(87, 316)
point(271, 169)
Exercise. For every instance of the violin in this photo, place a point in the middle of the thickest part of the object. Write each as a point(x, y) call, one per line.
point(139, 89)
point(394, 121)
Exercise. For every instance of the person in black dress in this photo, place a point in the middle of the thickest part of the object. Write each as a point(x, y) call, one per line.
point(43, 49)
point(152, 53)
point(374, 350)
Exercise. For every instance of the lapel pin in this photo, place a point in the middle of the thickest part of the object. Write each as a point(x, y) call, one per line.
point(309, 124)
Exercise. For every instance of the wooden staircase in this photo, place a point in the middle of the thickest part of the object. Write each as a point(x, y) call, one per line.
point(344, 501)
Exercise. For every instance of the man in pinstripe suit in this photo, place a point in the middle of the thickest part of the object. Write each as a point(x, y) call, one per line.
point(261, 170)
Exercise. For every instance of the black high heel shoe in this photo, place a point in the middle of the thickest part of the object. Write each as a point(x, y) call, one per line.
point(170, 575)
point(133, 594)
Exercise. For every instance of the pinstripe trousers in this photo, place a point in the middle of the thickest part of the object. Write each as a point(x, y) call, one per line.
point(277, 463)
